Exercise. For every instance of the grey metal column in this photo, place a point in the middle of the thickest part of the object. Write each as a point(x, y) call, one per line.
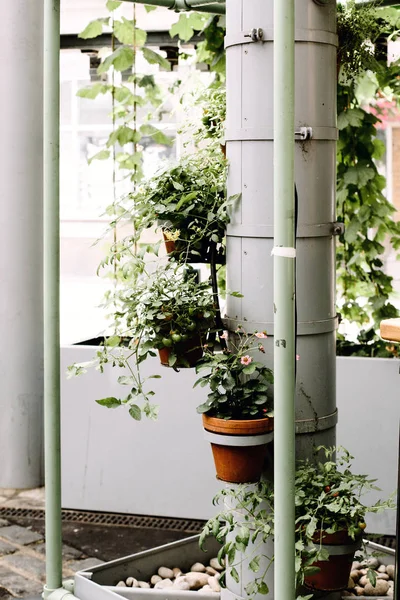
point(21, 304)
point(249, 47)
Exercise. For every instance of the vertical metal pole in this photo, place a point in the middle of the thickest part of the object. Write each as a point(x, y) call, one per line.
point(51, 295)
point(21, 305)
point(284, 299)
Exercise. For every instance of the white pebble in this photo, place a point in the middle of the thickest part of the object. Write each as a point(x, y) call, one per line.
point(143, 584)
point(379, 590)
point(356, 566)
point(384, 576)
point(359, 590)
point(176, 572)
point(214, 563)
point(160, 585)
point(363, 580)
point(390, 571)
point(165, 573)
point(197, 580)
point(198, 568)
point(132, 582)
point(155, 579)
point(121, 584)
point(181, 585)
point(214, 585)
point(381, 569)
point(211, 571)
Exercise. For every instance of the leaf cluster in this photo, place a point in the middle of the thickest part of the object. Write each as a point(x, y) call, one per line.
point(188, 200)
point(327, 498)
point(240, 387)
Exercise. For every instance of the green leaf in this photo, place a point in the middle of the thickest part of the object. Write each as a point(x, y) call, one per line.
point(94, 29)
point(113, 4)
point(126, 33)
point(121, 59)
point(234, 574)
point(135, 412)
point(155, 59)
point(172, 359)
point(92, 91)
point(358, 175)
point(110, 402)
point(113, 341)
point(186, 25)
point(125, 380)
point(263, 588)
point(352, 230)
point(149, 8)
point(249, 369)
point(371, 576)
point(102, 155)
point(254, 565)
point(158, 136)
point(352, 116)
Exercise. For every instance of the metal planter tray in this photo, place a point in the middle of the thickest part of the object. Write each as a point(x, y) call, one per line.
point(98, 583)
point(386, 556)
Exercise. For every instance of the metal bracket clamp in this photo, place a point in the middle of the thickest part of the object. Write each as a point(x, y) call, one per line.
point(256, 34)
point(338, 228)
point(303, 133)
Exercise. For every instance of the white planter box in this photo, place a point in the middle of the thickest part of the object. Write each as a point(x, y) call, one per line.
point(112, 463)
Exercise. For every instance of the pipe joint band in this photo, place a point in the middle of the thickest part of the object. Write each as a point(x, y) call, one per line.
point(283, 252)
point(306, 230)
point(266, 134)
point(316, 424)
point(303, 327)
point(312, 36)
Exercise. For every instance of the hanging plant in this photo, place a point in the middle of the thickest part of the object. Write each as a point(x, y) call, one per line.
point(188, 203)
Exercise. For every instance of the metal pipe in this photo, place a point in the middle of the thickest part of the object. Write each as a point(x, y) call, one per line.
point(378, 4)
point(284, 299)
point(218, 8)
point(51, 234)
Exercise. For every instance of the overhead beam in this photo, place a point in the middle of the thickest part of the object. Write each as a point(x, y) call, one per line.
point(217, 7)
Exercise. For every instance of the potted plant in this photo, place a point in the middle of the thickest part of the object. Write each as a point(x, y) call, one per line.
point(166, 311)
point(236, 415)
point(330, 520)
point(188, 202)
point(330, 517)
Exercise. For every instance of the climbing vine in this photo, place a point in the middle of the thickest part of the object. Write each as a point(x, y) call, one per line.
point(364, 289)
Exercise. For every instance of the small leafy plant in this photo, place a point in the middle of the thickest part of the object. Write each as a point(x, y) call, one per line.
point(327, 499)
point(188, 201)
point(161, 310)
point(238, 384)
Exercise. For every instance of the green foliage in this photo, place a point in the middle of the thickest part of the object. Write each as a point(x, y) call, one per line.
point(327, 499)
point(364, 290)
point(357, 28)
point(239, 385)
point(189, 201)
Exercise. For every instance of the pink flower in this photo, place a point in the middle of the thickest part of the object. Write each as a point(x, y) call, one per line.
point(224, 336)
point(246, 360)
point(260, 334)
point(297, 356)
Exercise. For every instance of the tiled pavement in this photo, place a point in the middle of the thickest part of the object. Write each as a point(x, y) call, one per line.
point(22, 548)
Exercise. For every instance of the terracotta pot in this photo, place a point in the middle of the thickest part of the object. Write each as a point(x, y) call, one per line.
point(241, 458)
point(170, 245)
point(334, 573)
point(190, 350)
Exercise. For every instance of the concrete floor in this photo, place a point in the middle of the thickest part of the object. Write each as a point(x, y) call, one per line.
point(22, 547)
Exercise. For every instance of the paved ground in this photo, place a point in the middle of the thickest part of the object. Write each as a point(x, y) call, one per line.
point(22, 548)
